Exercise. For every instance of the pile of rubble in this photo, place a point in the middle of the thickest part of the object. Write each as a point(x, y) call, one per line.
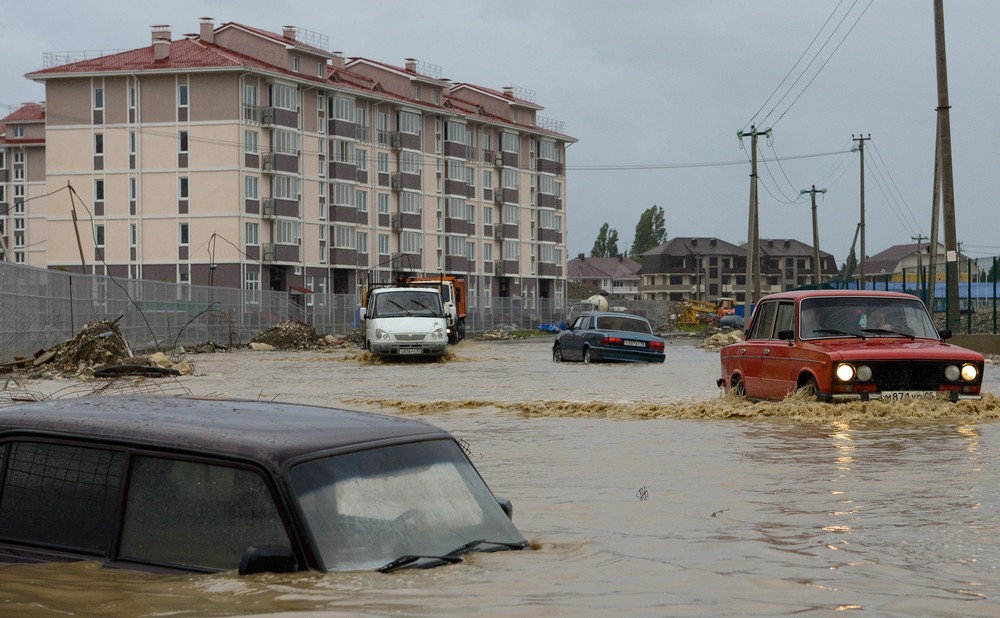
point(287, 335)
point(722, 339)
point(498, 334)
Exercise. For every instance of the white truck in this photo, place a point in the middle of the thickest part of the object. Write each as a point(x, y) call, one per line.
point(404, 321)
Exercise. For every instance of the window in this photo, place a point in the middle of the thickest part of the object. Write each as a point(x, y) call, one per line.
point(98, 190)
point(170, 520)
point(250, 142)
point(361, 243)
point(287, 232)
point(99, 235)
point(182, 95)
point(343, 194)
point(410, 242)
point(511, 178)
point(454, 132)
point(98, 98)
point(252, 285)
point(295, 64)
point(252, 187)
point(98, 144)
point(253, 234)
point(343, 236)
point(550, 254)
point(361, 157)
point(18, 156)
point(131, 142)
point(284, 97)
point(184, 234)
point(182, 142)
point(361, 201)
point(457, 208)
point(343, 109)
point(383, 163)
point(509, 141)
point(511, 214)
point(133, 235)
point(286, 142)
point(286, 187)
point(133, 191)
point(487, 215)
point(409, 122)
point(343, 151)
point(409, 162)
point(548, 150)
point(456, 246)
point(61, 495)
point(361, 122)
point(383, 204)
point(487, 252)
point(410, 202)
point(383, 244)
point(549, 220)
point(182, 188)
point(511, 249)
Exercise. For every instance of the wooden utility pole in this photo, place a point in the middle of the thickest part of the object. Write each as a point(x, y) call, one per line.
point(816, 263)
point(861, 139)
point(752, 290)
point(935, 218)
point(917, 238)
point(947, 178)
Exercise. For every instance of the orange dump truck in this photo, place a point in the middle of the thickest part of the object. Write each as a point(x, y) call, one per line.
point(453, 294)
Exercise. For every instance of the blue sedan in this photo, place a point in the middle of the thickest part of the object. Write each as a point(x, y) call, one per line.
point(600, 336)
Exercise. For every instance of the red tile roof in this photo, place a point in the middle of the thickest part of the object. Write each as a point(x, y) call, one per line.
point(29, 112)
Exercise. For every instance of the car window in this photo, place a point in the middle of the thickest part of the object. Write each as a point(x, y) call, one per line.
point(785, 319)
point(868, 316)
point(763, 321)
point(60, 496)
point(623, 323)
point(196, 514)
point(580, 322)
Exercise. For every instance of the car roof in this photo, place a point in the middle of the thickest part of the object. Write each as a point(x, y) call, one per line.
point(615, 314)
point(268, 432)
point(799, 294)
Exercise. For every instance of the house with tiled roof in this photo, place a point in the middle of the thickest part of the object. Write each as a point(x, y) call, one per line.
point(618, 276)
point(22, 181)
point(697, 268)
point(905, 261)
point(247, 158)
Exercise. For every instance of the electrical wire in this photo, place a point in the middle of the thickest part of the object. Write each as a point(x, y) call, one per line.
point(895, 187)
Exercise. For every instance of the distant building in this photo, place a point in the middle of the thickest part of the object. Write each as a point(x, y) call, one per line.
point(907, 260)
point(246, 158)
point(618, 276)
point(689, 268)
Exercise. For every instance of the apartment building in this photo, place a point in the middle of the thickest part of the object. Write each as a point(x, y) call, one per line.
point(22, 182)
point(618, 276)
point(690, 268)
point(246, 158)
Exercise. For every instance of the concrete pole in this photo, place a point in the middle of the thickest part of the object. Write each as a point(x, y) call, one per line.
point(947, 178)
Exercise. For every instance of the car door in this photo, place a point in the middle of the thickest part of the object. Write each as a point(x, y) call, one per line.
point(572, 341)
point(778, 357)
point(749, 354)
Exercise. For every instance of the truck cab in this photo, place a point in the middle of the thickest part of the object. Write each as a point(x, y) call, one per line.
point(404, 321)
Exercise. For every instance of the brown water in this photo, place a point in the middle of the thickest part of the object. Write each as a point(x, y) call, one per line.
point(642, 490)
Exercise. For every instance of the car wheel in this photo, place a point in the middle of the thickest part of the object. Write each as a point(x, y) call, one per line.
point(809, 389)
point(737, 389)
point(586, 355)
point(557, 356)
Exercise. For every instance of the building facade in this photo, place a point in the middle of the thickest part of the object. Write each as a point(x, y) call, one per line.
point(241, 157)
point(689, 268)
point(22, 182)
point(618, 276)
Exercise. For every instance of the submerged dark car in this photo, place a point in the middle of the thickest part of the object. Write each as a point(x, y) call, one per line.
point(609, 336)
point(843, 345)
point(203, 485)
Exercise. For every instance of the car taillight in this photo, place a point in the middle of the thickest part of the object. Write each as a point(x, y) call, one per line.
point(656, 346)
point(611, 341)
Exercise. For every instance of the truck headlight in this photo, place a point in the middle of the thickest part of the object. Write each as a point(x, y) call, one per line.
point(438, 333)
point(382, 335)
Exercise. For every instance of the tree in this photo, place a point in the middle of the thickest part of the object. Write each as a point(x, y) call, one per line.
point(650, 231)
point(606, 244)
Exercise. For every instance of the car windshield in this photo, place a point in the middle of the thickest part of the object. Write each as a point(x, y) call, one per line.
point(623, 323)
point(411, 302)
point(864, 316)
point(368, 508)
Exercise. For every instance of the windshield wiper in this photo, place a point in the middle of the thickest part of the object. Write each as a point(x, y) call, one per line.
point(452, 557)
point(886, 331)
point(405, 310)
point(834, 331)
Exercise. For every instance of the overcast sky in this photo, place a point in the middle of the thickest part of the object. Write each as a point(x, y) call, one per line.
point(656, 92)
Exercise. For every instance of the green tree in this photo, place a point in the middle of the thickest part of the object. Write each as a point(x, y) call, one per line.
point(606, 244)
point(650, 231)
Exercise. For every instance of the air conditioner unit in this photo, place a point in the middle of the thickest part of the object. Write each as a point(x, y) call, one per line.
point(269, 253)
point(498, 232)
point(396, 262)
point(498, 197)
point(269, 210)
point(267, 115)
point(267, 164)
point(397, 221)
point(395, 140)
point(498, 161)
point(396, 181)
point(499, 268)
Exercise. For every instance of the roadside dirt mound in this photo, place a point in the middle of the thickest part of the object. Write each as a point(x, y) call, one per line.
point(98, 344)
point(290, 335)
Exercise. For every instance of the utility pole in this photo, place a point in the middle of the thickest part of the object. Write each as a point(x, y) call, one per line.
point(816, 263)
point(861, 139)
point(947, 178)
point(917, 238)
point(752, 290)
point(935, 219)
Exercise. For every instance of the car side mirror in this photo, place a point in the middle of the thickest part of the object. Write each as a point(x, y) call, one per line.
point(361, 312)
point(268, 559)
point(507, 507)
point(786, 335)
point(945, 333)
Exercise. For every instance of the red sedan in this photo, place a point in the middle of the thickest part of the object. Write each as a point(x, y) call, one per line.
point(848, 345)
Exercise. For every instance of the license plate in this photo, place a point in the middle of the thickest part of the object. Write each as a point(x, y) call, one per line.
point(900, 395)
point(410, 350)
point(634, 344)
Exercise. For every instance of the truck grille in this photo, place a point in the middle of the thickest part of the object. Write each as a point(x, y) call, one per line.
point(409, 336)
point(908, 375)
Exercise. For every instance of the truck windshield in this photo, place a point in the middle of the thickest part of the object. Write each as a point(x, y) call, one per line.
point(369, 507)
point(408, 302)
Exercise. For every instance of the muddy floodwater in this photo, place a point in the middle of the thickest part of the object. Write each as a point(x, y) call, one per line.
point(643, 492)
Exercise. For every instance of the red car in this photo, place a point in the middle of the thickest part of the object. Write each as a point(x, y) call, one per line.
point(848, 345)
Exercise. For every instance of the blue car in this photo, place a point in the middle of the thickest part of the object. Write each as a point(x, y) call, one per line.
point(609, 336)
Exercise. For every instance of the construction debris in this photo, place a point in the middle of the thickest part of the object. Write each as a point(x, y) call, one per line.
point(498, 334)
point(722, 339)
point(288, 335)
